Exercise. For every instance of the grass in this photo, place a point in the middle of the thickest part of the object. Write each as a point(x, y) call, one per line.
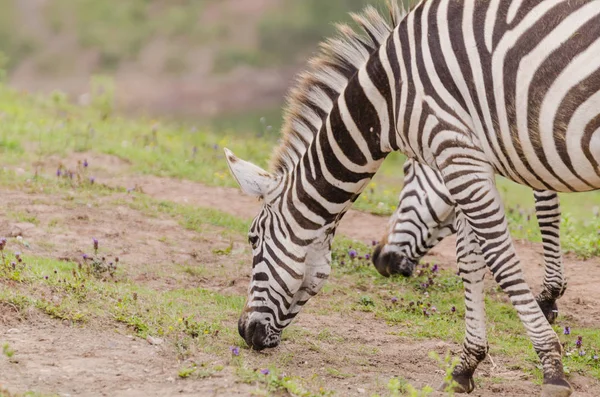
point(430, 305)
point(171, 315)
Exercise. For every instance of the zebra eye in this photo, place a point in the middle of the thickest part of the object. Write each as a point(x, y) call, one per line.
point(253, 240)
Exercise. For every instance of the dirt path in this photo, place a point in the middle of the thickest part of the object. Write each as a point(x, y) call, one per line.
point(101, 362)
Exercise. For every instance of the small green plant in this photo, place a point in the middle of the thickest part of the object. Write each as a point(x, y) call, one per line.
point(7, 351)
point(224, 251)
point(186, 372)
point(12, 266)
point(99, 266)
point(274, 381)
point(397, 387)
point(78, 177)
point(580, 350)
point(447, 364)
point(366, 300)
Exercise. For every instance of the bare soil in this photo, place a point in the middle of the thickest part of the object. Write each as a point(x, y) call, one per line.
point(104, 359)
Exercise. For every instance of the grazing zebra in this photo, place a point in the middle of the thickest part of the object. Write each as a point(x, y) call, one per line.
point(470, 88)
point(425, 215)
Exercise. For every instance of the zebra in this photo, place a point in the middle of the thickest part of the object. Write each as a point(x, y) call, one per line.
point(425, 215)
point(473, 89)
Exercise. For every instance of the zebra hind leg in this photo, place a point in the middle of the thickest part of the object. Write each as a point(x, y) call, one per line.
point(475, 347)
point(470, 180)
point(547, 206)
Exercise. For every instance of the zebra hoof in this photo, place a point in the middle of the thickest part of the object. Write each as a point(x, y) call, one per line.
point(461, 384)
point(563, 389)
point(549, 308)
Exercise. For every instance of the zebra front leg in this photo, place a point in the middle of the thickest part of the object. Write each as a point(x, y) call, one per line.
point(470, 180)
point(472, 269)
point(547, 206)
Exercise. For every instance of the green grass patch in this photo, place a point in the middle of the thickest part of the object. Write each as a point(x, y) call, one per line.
point(430, 305)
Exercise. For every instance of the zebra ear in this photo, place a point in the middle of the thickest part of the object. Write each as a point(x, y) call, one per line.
point(253, 180)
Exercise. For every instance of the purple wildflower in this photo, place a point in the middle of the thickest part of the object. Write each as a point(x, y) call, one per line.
point(367, 256)
point(373, 243)
point(433, 309)
point(352, 254)
point(595, 357)
point(567, 331)
point(58, 172)
point(46, 277)
point(85, 257)
point(265, 371)
point(435, 268)
point(215, 146)
point(453, 309)
point(235, 350)
point(95, 244)
point(582, 353)
point(579, 341)
point(92, 180)
point(2, 243)
point(85, 163)
point(394, 299)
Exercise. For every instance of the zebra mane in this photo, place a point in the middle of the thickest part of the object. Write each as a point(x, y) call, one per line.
point(316, 90)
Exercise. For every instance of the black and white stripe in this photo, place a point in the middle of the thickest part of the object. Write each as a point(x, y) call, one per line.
point(470, 88)
point(426, 215)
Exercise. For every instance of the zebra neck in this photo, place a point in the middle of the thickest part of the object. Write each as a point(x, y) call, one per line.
point(348, 149)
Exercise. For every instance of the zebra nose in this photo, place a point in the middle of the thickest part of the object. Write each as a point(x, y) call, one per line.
point(257, 335)
point(242, 328)
point(390, 263)
point(377, 262)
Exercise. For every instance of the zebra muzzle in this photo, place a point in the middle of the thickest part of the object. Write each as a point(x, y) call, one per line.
point(390, 263)
point(257, 335)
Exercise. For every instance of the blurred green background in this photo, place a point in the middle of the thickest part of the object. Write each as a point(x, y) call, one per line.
point(181, 58)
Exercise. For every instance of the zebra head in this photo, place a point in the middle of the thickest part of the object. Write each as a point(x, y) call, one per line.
point(290, 264)
point(425, 215)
